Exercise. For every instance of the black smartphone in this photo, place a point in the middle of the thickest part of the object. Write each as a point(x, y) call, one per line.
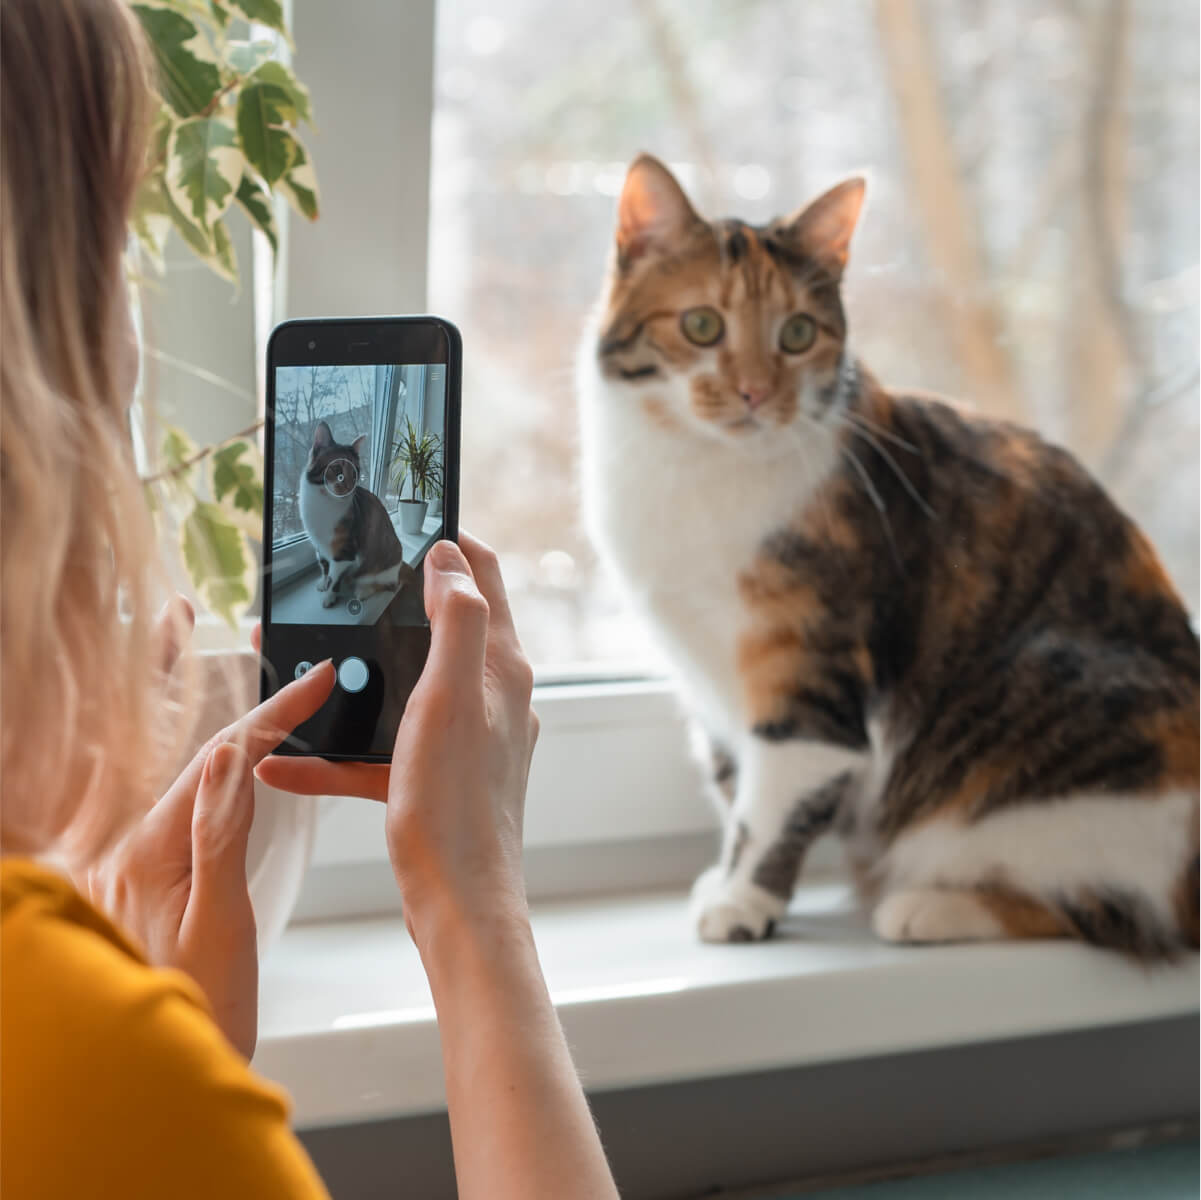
point(361, 479)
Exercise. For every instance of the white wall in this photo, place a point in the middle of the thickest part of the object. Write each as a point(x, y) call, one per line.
point(367, 252)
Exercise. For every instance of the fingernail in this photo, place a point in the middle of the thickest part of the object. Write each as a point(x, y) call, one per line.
point(227, 764)
point(230, 771)
point(446, 556)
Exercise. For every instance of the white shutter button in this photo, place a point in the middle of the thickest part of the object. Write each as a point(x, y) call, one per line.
point(353, 674)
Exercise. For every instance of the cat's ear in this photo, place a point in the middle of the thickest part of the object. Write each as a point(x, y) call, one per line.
point(823, 229)
point(322, 437)
point(653, 211)
point(358, 444)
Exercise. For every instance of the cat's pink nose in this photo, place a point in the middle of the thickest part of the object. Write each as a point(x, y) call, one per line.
point(753, 394)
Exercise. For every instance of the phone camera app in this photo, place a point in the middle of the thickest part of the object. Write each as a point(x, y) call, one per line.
point(358, 479)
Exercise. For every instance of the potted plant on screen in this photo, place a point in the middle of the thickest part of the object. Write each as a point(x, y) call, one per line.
point(436, 488)
point(416, 460)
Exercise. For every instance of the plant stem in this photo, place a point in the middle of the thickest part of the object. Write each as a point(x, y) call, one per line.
point(212, 106)
point(188, 463)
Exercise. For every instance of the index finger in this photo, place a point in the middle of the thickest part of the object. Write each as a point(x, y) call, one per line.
point(267, 724)
point(259, 731)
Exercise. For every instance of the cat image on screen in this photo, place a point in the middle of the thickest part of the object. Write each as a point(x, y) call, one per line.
point(356, 544)
point(933, 634)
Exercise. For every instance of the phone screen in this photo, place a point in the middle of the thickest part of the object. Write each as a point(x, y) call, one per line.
point(362, 481)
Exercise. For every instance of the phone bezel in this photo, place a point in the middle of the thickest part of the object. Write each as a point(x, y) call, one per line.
point(356, 341)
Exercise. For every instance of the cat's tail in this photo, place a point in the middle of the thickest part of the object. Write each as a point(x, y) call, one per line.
point(1126, 922)
point(1106, 917)
point(1129, 922)
point(1133, 882)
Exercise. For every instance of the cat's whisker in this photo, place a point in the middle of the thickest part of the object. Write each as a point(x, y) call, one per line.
point(859, 419)
point(876, 499)
point(904, 480)
point(866, 479)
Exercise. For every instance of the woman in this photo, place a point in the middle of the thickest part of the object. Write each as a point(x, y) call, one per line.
point(121, 1077)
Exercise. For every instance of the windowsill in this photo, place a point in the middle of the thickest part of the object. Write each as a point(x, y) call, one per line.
point(348, 1028)
point(297, 601)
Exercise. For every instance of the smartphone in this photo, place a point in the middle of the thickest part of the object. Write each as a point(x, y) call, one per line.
point(361, 479)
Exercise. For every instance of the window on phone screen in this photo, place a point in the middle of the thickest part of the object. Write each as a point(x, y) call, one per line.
point(759, 105)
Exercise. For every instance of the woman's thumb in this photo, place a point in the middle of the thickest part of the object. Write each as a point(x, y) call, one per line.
point(221, 819)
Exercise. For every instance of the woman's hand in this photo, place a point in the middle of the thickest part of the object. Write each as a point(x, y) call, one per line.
point(178, 879)
point(456, 795)
point(456, 787)
point(456, 798)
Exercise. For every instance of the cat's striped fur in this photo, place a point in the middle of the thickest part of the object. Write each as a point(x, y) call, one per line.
point(932, 633)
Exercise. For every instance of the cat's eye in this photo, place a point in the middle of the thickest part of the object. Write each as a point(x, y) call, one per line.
point(798, 334)
point(702, 326)
point(341, 477)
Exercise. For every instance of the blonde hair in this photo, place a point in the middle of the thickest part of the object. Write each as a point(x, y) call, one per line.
point(82, 739)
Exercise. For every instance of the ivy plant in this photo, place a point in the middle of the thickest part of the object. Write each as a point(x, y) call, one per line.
point(225, 138)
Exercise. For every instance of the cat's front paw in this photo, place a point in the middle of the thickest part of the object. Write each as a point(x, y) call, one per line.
point(732, 910)
point(329, 599)
point(323, 584)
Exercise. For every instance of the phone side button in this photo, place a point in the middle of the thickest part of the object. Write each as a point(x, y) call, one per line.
point(352, 674)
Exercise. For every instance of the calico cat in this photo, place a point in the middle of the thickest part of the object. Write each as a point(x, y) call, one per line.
point(356, 544)
point(931, 633)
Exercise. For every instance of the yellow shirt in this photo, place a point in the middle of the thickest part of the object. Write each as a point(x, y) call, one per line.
point(114, 1081)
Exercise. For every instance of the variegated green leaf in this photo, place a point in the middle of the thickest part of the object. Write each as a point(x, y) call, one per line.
point(219, 561)
point(203, 11)
point(151, 222)
point(160, 136)
point(199, 241)
point(225, 258)
point(281, 76)
point(150, 219)
point(187, 66)
point(177, 448)
point(300, 185)
point(265, 112)
point(263, 12)
point(178, 470)
point(204, 168)
point(236, 480)
point(255, 199)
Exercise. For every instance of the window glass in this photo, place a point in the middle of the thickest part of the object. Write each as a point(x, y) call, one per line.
point(342, 397)
point(1030, 243)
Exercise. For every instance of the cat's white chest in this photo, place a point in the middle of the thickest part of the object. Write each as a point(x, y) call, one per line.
point(320, 514)
point(679, 517)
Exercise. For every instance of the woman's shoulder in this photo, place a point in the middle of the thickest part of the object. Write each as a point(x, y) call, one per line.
point(121, 1062)
point(50, 930)
point(73, 979)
